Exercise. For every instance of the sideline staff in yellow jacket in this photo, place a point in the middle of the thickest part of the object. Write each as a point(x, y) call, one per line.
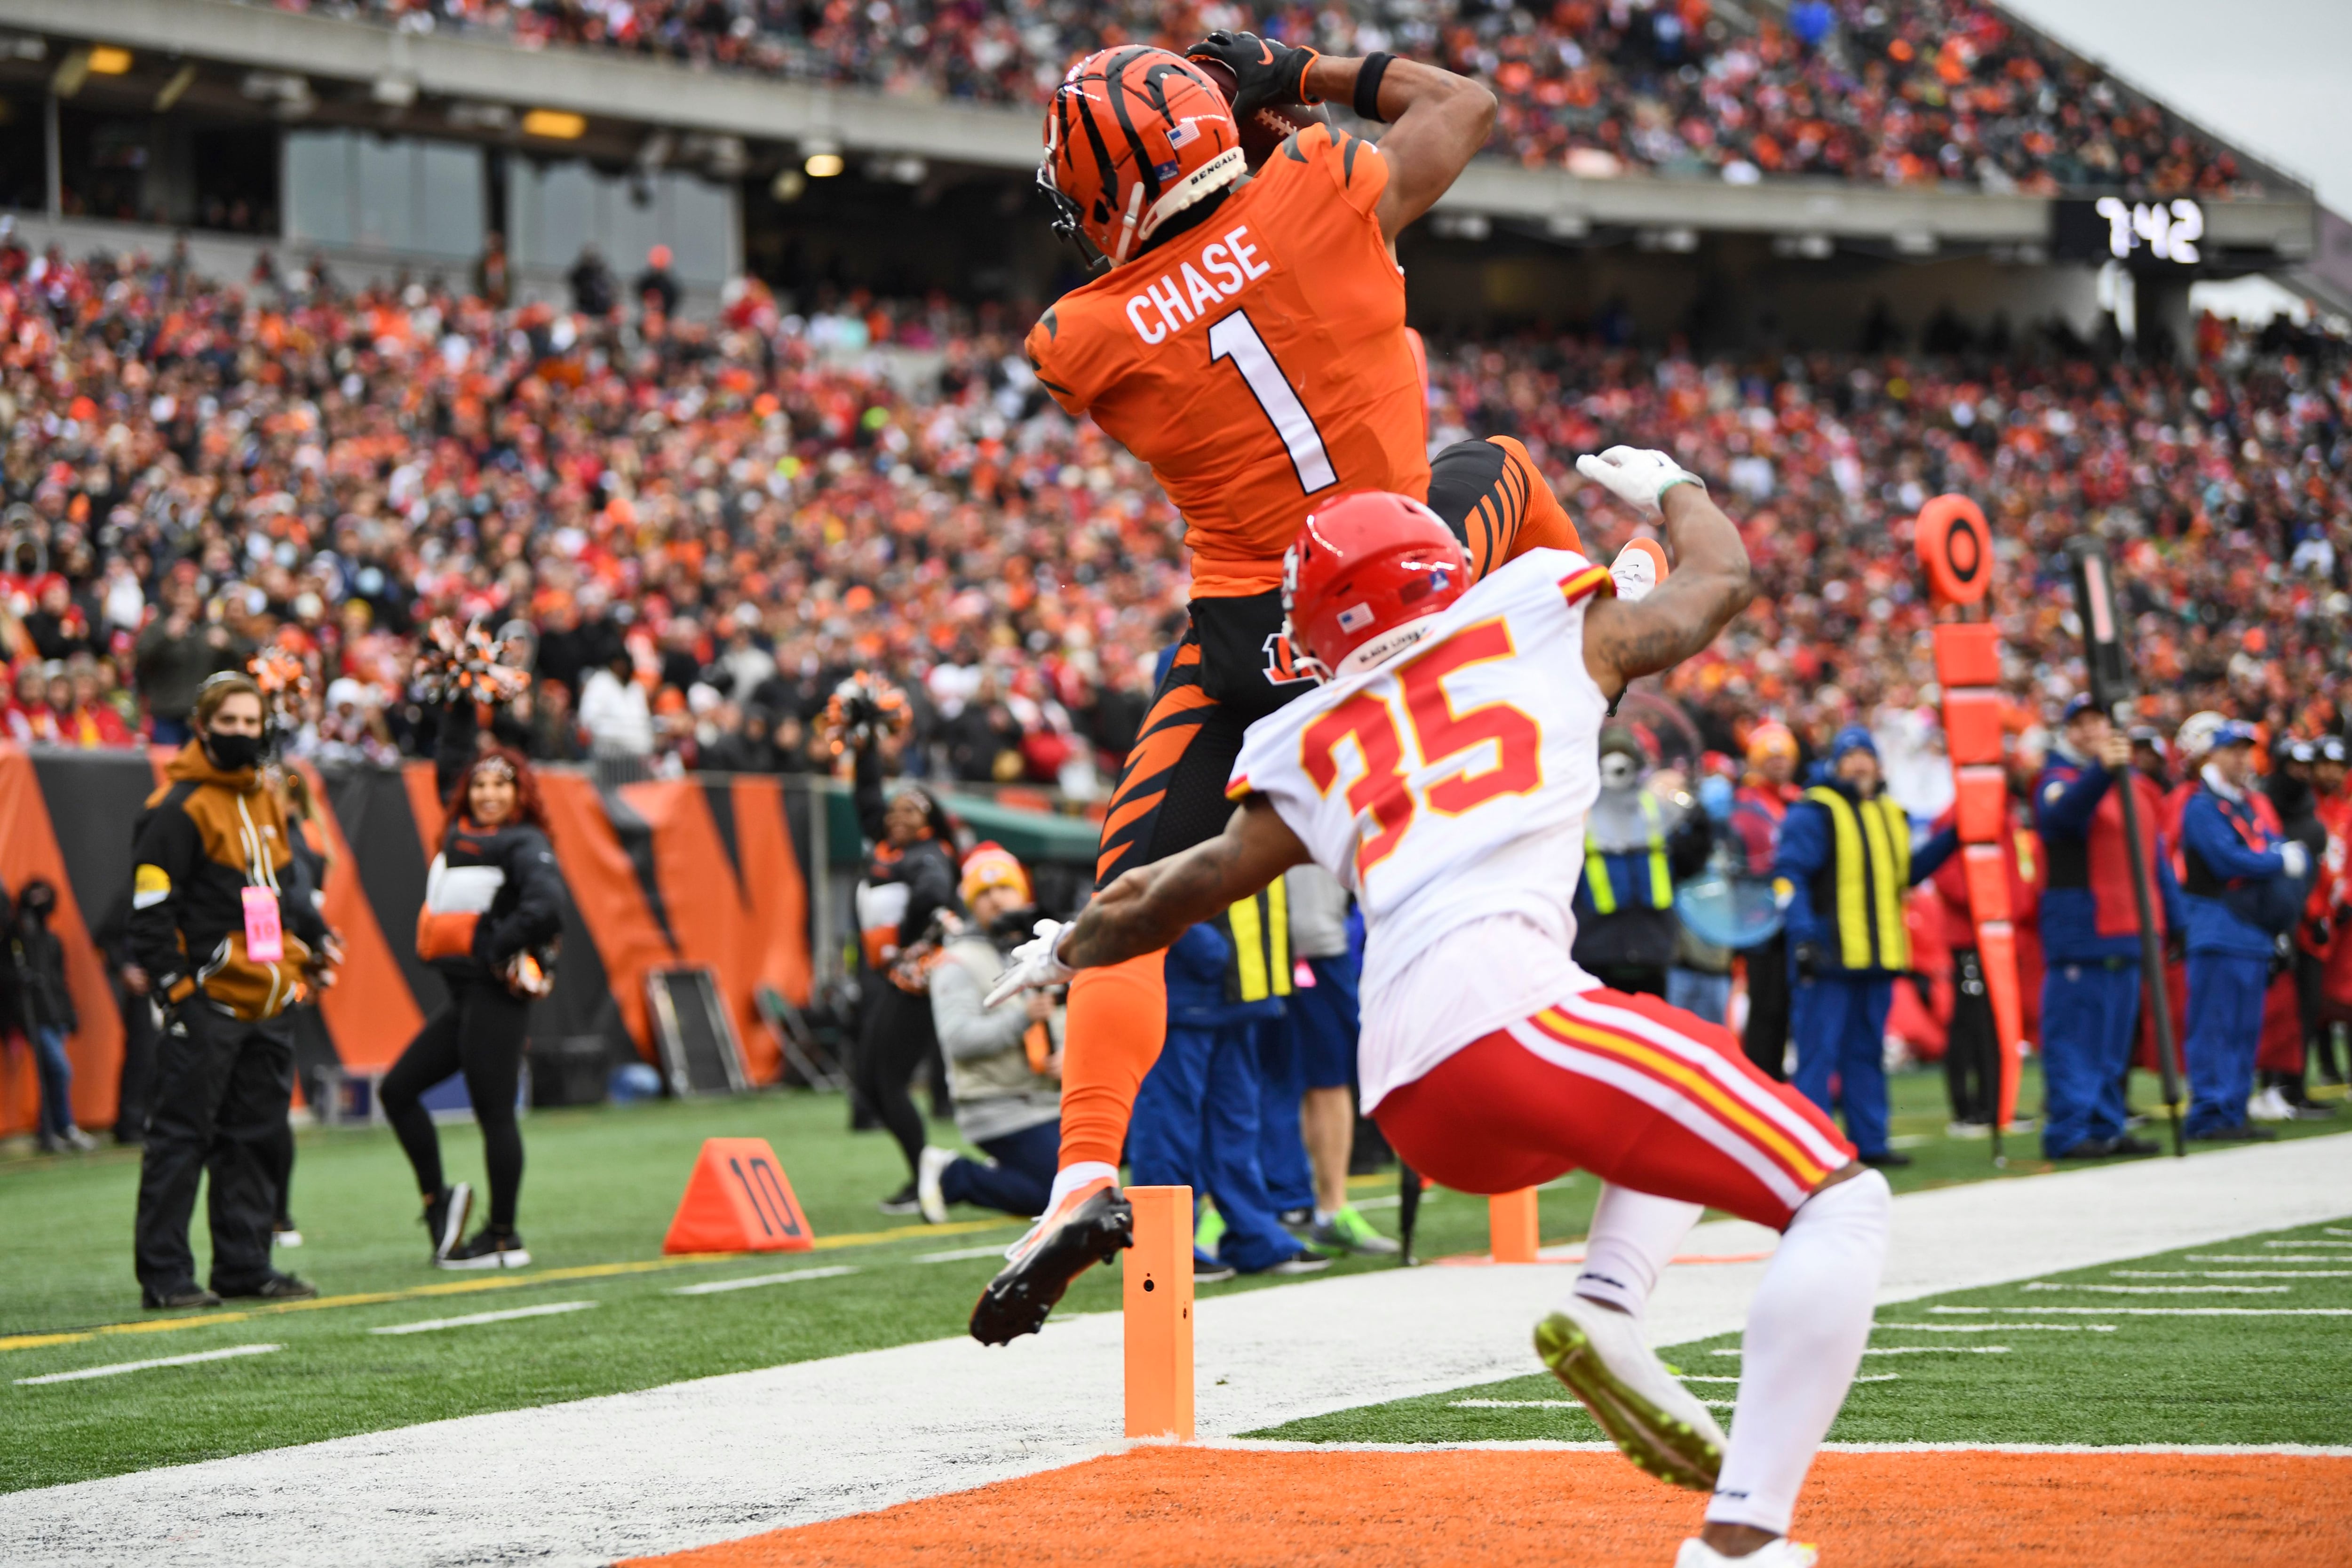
point(1845, 863)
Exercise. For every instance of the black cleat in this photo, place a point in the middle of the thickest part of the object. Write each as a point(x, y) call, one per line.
point(488, 1250)
point(445, 1218)
point(276, 1287)
point(1092, 1225)
point(178, 1296)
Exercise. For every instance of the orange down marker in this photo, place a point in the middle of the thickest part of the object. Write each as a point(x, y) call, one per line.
point(1159, 1307)
point(738, 1200)
point(1511, 1226)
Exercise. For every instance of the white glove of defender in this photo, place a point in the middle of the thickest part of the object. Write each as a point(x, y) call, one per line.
point(1637, 476)
point(1033, 964)
point(2295, 857)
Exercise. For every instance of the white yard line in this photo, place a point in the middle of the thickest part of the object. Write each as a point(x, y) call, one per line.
point(2232, 1273)
point(473, 1320)
point(958, 1254)
point(723, 1458)
point(2171, 1311)
point(119, 1368)
point(1999, 1327)
point(1911, 1350)
point(2163, 1290)
point(717, 1287)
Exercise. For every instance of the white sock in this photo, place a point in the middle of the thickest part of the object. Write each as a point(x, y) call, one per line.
point(1070, 1178)
point(1805, 1334)
point(1634, 1237)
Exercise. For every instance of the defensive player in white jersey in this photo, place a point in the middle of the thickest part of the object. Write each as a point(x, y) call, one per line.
point(1444, 770)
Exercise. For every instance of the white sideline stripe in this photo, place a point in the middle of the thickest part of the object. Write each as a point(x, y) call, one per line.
point(2273, 1257)
point(1867, 1377)
point(713, 1287)
point(118, 1368)
point(2304, 1242)
point(579, 1484)
point(1999, 1327)
point(1917, 1349)
point(2171, 1311)
point(1551, 1404)
point(2165, 1289)
point(2233, 1273)
point(956, 1255)
point(431, 1324)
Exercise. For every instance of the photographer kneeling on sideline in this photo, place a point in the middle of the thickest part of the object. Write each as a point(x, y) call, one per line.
point(227, 956)
point(1004, 1062)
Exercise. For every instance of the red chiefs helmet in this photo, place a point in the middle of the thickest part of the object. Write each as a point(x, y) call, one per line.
point(1364, 571)
point(1133, 137)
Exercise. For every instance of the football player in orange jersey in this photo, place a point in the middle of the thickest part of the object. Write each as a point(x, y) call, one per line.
point(1245, 337)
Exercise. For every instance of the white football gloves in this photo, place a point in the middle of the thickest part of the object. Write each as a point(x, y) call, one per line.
point(1033, 964)
point(2295, 857)
point(1637, 476)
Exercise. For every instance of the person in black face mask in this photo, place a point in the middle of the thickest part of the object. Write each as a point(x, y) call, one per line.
point(44, 1011)
point(227, 955)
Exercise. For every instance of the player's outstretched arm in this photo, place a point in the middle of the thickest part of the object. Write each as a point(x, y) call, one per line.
point(1151, 906)
point(1436, 123)
point(1708, 586)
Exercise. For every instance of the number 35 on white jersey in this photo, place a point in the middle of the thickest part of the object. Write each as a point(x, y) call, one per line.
point(1451, 784)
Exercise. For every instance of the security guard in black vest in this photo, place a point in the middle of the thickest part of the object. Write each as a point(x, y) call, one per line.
point(1845, 863)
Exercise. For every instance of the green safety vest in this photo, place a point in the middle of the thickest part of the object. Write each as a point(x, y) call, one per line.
point(1869, 876)
point(1261, 932)
point(1662, 883)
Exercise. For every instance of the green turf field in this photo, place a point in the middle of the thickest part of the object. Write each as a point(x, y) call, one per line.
point(2092, 1356)
point(600, 1189)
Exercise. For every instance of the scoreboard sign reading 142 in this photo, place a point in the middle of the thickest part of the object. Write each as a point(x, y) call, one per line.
point(2146, 235)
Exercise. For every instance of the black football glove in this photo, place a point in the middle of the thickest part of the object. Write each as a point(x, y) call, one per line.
point(1264, 72)
point(1812, 962)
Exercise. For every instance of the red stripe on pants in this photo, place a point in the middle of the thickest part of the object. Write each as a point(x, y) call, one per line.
point(1495, 1116)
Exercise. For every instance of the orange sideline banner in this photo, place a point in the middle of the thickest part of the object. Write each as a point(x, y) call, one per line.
point(705, 871)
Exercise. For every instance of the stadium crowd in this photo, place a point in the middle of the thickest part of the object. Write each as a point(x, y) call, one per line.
point(708, 525)
point(1899, 91)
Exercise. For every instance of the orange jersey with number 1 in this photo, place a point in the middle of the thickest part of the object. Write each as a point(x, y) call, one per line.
point(1259, 363)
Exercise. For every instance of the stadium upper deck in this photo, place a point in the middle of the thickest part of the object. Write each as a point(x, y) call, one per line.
point(1916, 127)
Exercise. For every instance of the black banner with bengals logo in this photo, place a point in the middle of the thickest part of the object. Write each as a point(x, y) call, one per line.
point(703, 871)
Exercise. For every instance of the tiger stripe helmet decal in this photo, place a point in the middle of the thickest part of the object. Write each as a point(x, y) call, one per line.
point(1133, 137)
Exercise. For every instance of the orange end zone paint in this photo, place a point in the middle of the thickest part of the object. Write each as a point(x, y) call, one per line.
point(1167, 1507)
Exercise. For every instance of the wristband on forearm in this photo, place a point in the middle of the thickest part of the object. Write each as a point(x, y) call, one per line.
point(1367, 100)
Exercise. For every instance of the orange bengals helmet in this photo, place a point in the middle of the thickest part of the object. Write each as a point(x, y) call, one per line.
point(1133, 137)
point(1364, 575)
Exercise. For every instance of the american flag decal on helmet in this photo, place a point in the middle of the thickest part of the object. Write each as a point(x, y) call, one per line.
point(1355, 617)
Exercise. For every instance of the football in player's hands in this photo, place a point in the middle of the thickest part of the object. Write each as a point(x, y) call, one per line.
point(1264, 126)
point(1637, 476)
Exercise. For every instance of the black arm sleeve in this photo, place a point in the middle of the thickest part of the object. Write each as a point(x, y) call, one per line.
point(930, 878)
point(168, 841)
point(537, 914)
point(867, 793)
point(1686, 850)
point(113, 936)
point(454, 751)
point(300, 894)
